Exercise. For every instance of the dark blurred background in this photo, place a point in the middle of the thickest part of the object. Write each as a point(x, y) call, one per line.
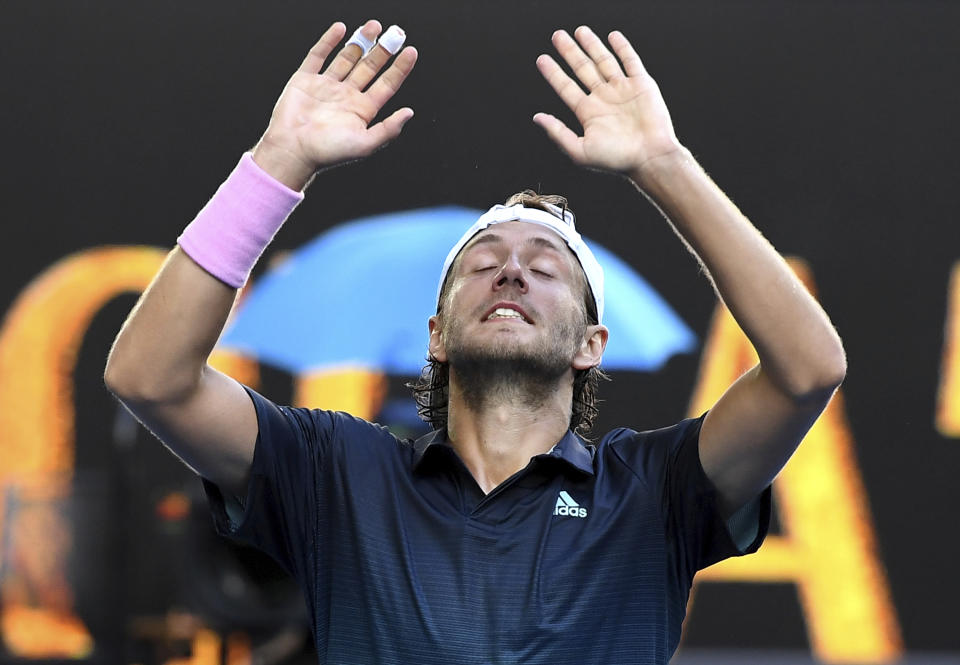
point(832, 125)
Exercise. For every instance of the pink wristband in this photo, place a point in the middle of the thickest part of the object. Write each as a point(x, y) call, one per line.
point(228, 236)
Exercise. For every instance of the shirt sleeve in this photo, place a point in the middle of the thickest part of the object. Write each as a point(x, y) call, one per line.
point(278, 514)
point(668, 461)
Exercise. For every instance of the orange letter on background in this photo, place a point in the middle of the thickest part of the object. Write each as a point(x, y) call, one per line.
point(356, 390)
point(39, 341)
point(828, 548)
point(948, 395)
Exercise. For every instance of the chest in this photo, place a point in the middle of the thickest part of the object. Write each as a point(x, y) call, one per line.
point(544, 561)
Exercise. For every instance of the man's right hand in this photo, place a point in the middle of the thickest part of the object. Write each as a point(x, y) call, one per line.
point(323, 116)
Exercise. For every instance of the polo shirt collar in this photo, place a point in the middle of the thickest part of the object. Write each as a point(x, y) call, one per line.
point(570, 449)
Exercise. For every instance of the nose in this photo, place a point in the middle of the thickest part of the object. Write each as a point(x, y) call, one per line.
point(511, 274)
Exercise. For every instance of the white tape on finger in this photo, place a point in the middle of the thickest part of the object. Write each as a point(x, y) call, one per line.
point(392, 40)
point(361, 40)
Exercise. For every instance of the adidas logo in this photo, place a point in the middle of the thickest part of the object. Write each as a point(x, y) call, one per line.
point(568, 507)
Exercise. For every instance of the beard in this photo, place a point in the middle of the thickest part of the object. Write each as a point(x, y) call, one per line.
point(491, 372)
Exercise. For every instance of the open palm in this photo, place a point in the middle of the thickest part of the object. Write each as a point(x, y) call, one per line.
point(323, 118)
point(624, 118)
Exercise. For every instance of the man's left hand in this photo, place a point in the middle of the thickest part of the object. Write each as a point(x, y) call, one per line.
point(626, 124)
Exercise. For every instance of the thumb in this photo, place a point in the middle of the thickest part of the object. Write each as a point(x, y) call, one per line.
point(562, 135)
point(388, 129)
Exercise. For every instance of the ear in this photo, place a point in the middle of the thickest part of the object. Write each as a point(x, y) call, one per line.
point(591, 349)
point(436, 347)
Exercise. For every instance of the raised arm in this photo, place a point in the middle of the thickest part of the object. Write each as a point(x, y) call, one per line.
point(158, 364)
point(756, 425)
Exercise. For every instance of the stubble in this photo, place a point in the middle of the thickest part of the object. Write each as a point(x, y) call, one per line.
point(506, 371)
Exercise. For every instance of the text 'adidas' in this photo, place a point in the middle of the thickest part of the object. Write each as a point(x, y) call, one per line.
point(568, 507)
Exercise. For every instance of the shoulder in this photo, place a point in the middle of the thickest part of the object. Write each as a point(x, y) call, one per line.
point(318, 429)
point(649, 452)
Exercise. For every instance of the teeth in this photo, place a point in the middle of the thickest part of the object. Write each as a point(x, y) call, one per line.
point(503, 312)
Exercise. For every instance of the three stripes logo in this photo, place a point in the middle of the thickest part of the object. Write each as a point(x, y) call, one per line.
point(568, 507)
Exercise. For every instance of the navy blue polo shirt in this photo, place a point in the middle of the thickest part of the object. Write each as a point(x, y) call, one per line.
point(584, 556)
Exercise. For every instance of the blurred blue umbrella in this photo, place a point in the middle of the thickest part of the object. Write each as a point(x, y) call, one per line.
point(361, 293)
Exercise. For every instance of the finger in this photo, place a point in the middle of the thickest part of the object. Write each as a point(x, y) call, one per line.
point(628, 56)
point(562, 135)
point(313, 63)
point(602, 58)
point(371, 64)
point(581, 64)
point(570, 93)
point(387, 129)
point(389, 82)
point(351, 53)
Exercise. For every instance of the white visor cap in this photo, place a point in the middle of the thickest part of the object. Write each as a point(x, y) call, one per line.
point(560, 221)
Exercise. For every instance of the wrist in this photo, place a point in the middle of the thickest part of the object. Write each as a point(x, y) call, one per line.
point(233, 229)
point(282, 164)
point(655, 170)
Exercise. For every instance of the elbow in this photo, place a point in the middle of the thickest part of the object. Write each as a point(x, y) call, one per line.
point(120, 377)
point(113, 378)
point(834, 369)
point(825, 386)
point(138, 385)
point(121, 387)
point(121, 384)
point(823, 378)
point(839, 373)
point(810, 377)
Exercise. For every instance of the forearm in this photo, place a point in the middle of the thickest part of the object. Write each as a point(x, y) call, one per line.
point(797, 345)
point(163, 348)
point(318, 122)
point(160, 352)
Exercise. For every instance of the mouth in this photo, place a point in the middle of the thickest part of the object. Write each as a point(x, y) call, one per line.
point(505, 311)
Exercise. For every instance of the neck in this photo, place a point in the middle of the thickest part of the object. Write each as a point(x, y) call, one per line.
point(497, 427)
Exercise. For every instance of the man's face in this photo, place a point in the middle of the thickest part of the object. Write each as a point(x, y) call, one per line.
point(515, 294)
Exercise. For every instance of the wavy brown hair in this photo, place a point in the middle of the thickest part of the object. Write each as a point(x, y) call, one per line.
point(431, 389)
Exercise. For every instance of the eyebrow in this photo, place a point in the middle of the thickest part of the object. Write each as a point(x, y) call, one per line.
point(538, 241)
